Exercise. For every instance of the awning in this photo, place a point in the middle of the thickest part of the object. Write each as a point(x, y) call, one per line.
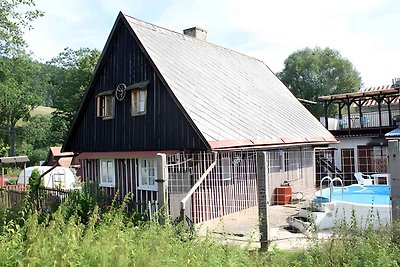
point(17, 159)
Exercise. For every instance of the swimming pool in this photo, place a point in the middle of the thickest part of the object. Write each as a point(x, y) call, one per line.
point(367, 194)
point(370, 205)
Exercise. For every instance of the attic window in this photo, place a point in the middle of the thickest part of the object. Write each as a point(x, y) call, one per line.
point(139, 99)
point(105, 106)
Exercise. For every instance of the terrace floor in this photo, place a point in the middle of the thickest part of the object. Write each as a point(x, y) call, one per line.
point(242, 228)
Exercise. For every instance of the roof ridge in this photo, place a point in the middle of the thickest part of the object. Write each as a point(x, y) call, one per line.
point(188, 36)
point(376, 87)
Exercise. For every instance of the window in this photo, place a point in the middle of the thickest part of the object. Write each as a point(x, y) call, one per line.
point(107, 173)
point(139, 98)
point(105, 106)
point(147, 174)
point(226, 169)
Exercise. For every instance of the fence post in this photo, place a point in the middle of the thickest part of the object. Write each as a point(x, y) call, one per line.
point(162, 180)
point(263, 199)
point(394, 163)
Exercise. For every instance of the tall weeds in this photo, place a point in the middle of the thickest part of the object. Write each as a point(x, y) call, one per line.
point(80, 233)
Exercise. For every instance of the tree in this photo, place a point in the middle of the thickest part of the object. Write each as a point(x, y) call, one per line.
point(310, 73)
point(15, 16)
point(21, 90)
point(70, 74)
point(33, 137)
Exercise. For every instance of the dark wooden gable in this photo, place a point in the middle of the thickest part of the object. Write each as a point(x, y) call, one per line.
point(165, 126)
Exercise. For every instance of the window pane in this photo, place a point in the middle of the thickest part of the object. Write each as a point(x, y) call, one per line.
point(109, 106)
point(151, 171)
point(145, 172)
point(104, 172)
point(141, 106)
point(145, 180)
point(142, 96)
point(134, 102)
point(151, 180)
point(110, 172)
point(226, 169)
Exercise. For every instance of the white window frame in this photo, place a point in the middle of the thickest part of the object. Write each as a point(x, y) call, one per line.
point(148, 186)
point(136, 109)
point(107, 179)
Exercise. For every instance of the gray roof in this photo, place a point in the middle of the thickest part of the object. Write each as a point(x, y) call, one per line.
point(394, 133)
point(233, 99)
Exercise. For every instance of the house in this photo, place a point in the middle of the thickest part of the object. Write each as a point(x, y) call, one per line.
point(64, 160)
point(155, 90)
point(363, 118)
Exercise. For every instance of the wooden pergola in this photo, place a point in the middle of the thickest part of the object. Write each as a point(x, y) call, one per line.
point(12, 160)
point(385, 96)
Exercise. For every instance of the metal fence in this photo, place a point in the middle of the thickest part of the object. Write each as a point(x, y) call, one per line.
point(230, 186)
point(46, 199)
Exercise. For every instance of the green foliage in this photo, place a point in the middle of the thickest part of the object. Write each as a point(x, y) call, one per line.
point(111, 240)
point(21, 89)
point(3, 149)
point(34, 178)
point(70, 74)
point(11, 181)
point(33, 138)
point(110, 237)
point(15, 16)
point(310, 73)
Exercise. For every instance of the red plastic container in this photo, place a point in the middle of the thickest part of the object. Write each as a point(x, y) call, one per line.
point(283, 195)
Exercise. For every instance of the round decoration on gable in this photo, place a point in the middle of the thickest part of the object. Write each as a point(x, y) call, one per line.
point(120, 92)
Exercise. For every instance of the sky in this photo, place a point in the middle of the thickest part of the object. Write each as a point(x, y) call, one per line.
point(367, 32)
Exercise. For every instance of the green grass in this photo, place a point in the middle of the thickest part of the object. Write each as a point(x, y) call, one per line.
point(40, 110)
point(112, 238)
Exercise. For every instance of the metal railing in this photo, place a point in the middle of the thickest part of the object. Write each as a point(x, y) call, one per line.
point(367, 120)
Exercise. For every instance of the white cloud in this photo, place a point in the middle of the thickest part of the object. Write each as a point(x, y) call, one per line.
point(363, 31)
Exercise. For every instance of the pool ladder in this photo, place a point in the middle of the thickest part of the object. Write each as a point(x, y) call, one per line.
point(331, 181)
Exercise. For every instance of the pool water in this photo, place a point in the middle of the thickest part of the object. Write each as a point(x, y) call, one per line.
point(367, 194)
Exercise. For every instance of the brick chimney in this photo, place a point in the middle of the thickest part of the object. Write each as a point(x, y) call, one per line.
point(197, 33)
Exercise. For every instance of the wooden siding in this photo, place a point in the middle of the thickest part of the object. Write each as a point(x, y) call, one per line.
point(126, 180)
point(163, 127)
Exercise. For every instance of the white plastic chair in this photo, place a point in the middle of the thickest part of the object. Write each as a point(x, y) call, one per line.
point(363, 179)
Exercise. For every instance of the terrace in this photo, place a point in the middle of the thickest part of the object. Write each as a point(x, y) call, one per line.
point(370, 111)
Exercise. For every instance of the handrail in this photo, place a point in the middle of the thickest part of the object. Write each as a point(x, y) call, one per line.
point(197, 184)
point(341, 182)
point(330, 183)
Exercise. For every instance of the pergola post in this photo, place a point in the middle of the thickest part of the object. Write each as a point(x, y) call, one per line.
point(326, 105)
point(379, 100)
point(348, 103)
